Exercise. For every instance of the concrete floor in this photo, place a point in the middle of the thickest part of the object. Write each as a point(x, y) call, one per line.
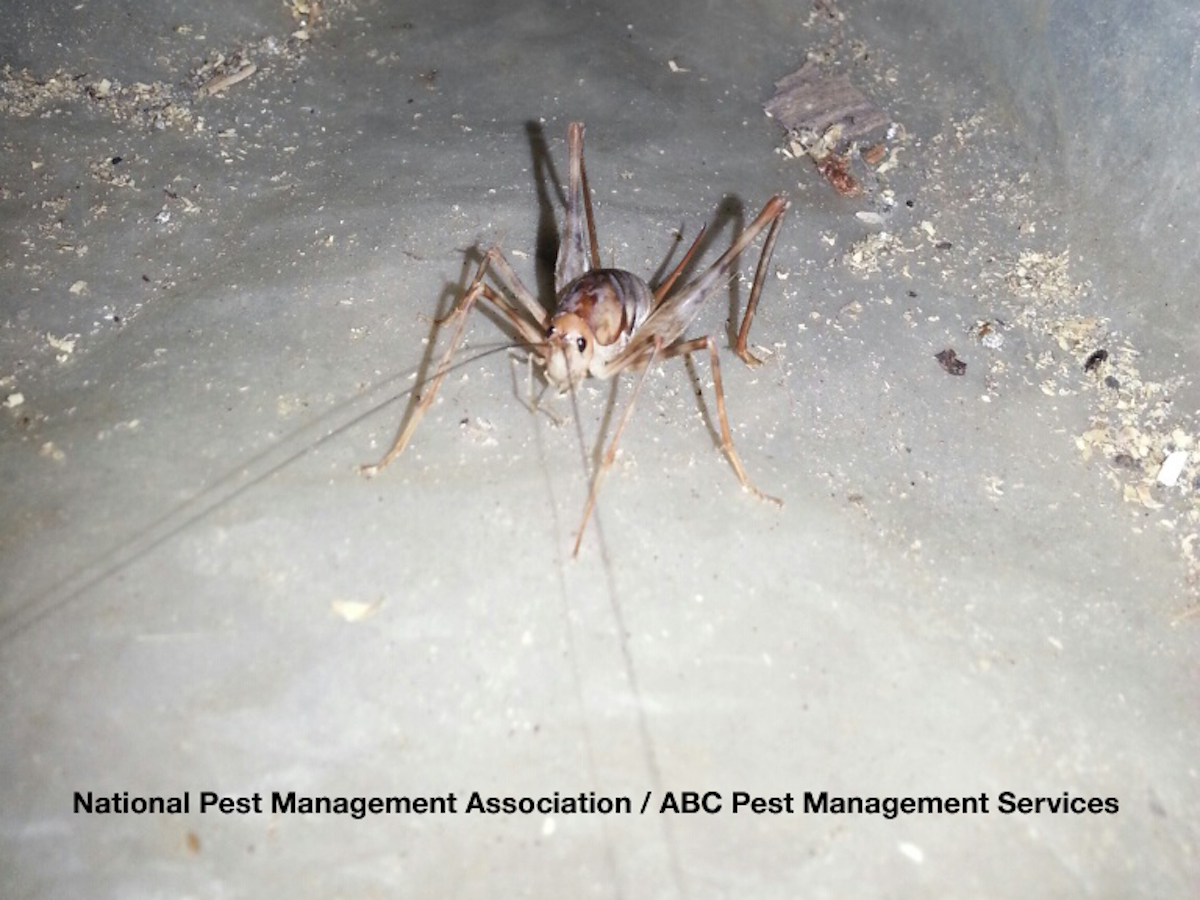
point(215, 307)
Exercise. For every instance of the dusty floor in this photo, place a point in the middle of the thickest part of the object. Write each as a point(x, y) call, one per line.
point(215, 305)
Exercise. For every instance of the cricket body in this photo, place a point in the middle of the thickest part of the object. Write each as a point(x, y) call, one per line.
point(606, 320)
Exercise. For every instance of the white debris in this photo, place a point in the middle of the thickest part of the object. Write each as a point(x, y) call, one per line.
point(1172, 468)
point(50, 451)
point(64, 345)
point(355, 610)
point(912, 851)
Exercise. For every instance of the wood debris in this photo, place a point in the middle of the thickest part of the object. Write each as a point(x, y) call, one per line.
point(223, 82)
point(825, 117)
point(950, 362)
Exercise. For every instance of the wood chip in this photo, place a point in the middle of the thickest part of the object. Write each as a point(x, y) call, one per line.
point(950, 362)
point(810, 100)
point(223, 82)
point(824, 115)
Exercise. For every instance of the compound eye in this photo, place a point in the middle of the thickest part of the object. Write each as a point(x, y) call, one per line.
point(581, 344)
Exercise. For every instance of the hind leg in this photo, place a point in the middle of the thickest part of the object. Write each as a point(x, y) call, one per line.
point(579, 226)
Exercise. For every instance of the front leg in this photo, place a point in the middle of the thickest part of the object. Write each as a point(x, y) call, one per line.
point(461, 311)
point(510, 282)
point(610, 454)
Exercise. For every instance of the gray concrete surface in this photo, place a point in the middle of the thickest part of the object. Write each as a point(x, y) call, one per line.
point(975, 585)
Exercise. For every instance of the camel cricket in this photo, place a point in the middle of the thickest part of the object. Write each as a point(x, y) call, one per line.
point(606, 320)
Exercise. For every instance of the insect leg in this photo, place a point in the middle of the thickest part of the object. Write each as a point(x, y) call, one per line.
point(665, 288)
point(723, 419)
point(764, 261)
point(587, 205)
point(530, 333)
point(677, 310)
point(508, 279)
point(461, 311)
point(610, 454)
point(572, 254)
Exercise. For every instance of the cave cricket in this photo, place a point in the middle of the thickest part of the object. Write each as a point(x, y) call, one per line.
point(606, 320)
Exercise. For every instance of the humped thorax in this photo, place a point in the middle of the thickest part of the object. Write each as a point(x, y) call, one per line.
point(613, 304)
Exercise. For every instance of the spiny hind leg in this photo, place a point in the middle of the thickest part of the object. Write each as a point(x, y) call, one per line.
point(722, 418)
point(593, 244)
point(579, 226)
